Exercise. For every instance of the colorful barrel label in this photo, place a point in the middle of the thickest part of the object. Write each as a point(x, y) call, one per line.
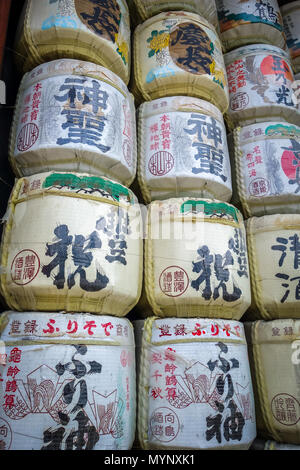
point(185, 144)
point(260, 80)
point(192, 403)
point(291, 21)
point(270, 159)
point(232, 13)
point(60, 396)
point(77, 112)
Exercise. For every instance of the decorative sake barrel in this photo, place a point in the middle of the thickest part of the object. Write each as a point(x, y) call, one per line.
point(250, 22)
point(144, 9)
point(274, 247)
point(74, 116)
point(183, 402)
point(276, 389)
point(260, 444)
point(266, 168)
point(71, 243)
point(260, 81)
point(291, 22)
point(179, 53)
point(78, 29)
point(183, 150)
point(68, 382)
point(196, 262)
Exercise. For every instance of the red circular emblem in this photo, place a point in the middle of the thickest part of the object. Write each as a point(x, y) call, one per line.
point(259, 187)
point(161, 163)
point(27, 137)
point(174, 281)
point(25, 267)
point(164, 424)
point(290, 163)
point(5, 435)
point(239, 101)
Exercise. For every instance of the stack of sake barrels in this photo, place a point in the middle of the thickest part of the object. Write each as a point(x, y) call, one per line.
point(195, 389)
point(71, 253)
point(265, 143)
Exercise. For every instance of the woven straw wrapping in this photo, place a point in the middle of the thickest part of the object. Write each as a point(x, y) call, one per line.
point(249, 22)
point(178, 393)
point(172, 133)
point(274, 359)
point(71, 380)
point(260, 81)
point(196, 259)
point(72, 242)
point(273, 258)
point(102, 137)
point(169, 62)
point(264, 168)
point(76, 29)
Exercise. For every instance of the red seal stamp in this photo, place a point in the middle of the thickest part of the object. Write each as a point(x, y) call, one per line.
point(27, 137)
point(161, 163)
point(25, 267)
point(286, 409)
point(239, 101)
point(164, 424)
point(174, 281)
point(259, 187)
point(5, 435)
point(127, 152)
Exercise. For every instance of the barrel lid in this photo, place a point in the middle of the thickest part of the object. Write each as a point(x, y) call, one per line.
point(49, 327)
point(169, 15)
point(273, 223)
point(190, 330)
point(255, 49)
point(72, 67)
point(273, 331)
point(79, 185)
point(198, 208)
point(186, 104)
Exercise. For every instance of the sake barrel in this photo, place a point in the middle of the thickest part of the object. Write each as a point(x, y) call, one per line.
point(260, 444)
point(77, 29)
point(260, 81)
point(138, 326)
point(179, 53)
point(196, 262)
point(74, 116)
point(68, 382)
point(277, 398)
point(71, 242)
point(144, 9)
point(183, 400)
point(250, 22)
point(291, 22)
point(273, 243)
point(182, 150)
point(266, 168)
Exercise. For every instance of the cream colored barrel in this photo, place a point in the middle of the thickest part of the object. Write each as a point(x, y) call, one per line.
point(71, 242)
point(291, 22)
point(274, 354)
point(182, 150)
point(179, 53)
point(196, 261)
point(273, 246)
point(68, 382)
point(144, 9)
point(75, 29)
point(74, 116)
point(266, 168)
point(183, 400)
point(250, 22)
point(260, 79)
point(260, 444)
